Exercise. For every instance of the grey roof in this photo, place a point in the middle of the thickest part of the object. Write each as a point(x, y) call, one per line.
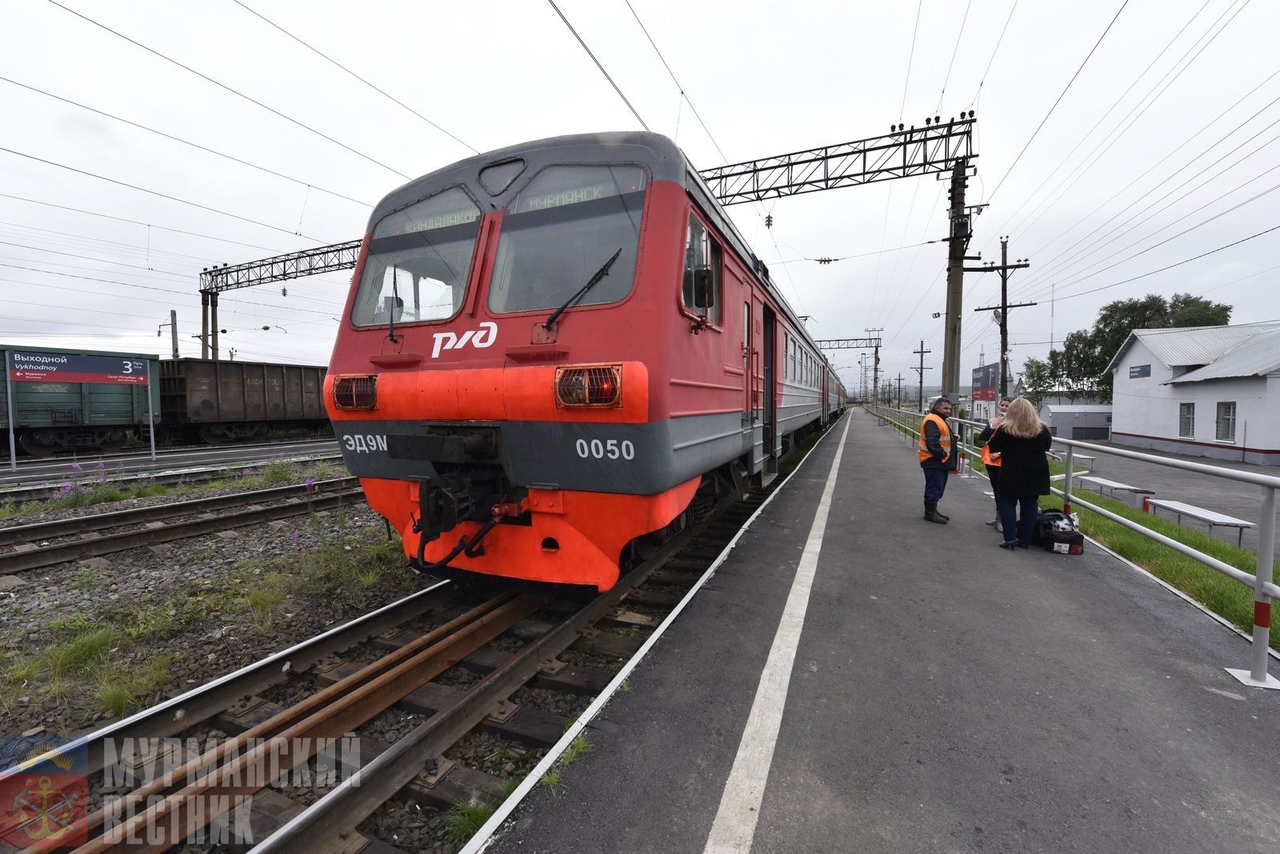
point(1255, 356)
point(1192, 345)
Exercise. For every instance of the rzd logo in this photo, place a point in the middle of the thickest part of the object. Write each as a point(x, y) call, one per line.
point(482, 337)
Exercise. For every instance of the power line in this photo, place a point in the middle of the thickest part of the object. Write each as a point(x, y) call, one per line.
point(154, 192)
point(333, 61)
point(187, 142)
point(253, 246)
point(1055, 103)
point(227, 88)
point(1178, 264)
point(598, 65)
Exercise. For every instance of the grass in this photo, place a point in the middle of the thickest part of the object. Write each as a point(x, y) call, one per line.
point(462, 821)
point(577, 748)
point(551, 779)
point(119, 688)
point(1224, 596)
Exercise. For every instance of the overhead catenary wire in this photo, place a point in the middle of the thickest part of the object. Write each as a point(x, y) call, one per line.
point(233, 91)
point(599, 65)
point(342, 67)
point(1040, 126)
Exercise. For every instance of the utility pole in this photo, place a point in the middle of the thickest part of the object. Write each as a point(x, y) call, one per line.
point(899, 391)
point(173, 330)
point(1003, 309)
point(875, 371)
point(922, 369)
point(958, 243)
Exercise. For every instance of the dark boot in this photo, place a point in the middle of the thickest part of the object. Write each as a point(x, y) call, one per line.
point(931, 513)
point(944, 516)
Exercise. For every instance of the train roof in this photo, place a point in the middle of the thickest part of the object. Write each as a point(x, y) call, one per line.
point(665, 161)
point(663, 158)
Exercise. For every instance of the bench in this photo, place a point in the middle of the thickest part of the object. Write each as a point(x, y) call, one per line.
point(1084, 461)
point(1113, 485)
point(1214, 519)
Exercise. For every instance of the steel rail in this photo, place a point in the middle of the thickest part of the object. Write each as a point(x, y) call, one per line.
point(357, 797)
point(191, 474)
point(201, 703)
point(142, 515)
point(111, 543)
point(206, 763)
point(210, 791)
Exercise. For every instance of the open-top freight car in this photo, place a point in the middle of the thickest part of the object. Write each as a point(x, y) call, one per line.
point(76, 400)
point(229, 401)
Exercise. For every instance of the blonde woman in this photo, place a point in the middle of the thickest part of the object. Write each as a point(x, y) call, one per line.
point(1022, 442)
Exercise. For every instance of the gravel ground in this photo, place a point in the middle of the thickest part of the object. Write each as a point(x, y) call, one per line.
point(182, 613)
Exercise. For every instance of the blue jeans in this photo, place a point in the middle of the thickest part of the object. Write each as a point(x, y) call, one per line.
point(935, 483)
point(1009, 505)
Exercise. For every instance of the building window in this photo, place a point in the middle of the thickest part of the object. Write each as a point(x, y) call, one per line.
point(1226, 431)
point(1186, 420)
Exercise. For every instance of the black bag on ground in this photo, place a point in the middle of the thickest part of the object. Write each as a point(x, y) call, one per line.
point(1056, 532)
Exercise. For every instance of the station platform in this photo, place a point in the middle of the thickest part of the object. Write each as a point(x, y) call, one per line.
point(856, 679)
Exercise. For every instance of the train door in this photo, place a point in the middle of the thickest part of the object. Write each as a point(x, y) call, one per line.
point(769, 421)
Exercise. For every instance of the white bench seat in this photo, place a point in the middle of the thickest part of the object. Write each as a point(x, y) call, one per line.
point(1104, 483)
point(1210, 517)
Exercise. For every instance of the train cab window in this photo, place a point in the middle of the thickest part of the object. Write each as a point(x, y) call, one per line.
point(561, 230)
point(700, 292)
point(419, 262)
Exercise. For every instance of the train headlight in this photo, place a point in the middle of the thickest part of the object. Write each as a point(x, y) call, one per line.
point(356, 393)
point(589, 386)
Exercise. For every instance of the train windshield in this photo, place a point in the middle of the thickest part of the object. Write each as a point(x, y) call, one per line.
point(419, 261)
point(560, 230)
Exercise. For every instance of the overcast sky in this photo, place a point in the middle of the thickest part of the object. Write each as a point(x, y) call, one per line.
point(1125, 147)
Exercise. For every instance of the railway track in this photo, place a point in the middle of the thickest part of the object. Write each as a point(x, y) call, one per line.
point(207, 791)
point(186, 475)
point(49, 543)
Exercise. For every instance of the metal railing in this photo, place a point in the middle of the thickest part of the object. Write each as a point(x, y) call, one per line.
point(1261, 582)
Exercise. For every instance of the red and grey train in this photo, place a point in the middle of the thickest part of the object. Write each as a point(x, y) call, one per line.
point(549, 350)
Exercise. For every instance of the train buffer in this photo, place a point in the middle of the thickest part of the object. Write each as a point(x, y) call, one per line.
point(1210, 517)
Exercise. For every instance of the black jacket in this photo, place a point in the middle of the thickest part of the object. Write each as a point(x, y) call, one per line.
point(1024, 468)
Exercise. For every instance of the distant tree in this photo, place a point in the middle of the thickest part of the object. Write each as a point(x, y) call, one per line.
point(1079, 368)
point(1037, 381)
point(1186, 310)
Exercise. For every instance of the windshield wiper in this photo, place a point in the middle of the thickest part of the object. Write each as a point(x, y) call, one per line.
point(591, 283)
point(395, 303)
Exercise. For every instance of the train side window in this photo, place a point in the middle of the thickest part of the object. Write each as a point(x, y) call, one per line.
point(702, 265)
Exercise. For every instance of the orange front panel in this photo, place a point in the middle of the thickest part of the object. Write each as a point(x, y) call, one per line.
point(491, 394)
point(589, 531)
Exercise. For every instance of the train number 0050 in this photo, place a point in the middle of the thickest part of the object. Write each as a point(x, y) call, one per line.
point(610, 448)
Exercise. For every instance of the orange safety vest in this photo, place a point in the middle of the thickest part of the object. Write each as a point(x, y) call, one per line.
point(989, 457)
point(944, 438)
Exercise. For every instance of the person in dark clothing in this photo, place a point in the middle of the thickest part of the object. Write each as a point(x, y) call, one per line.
point(1022, 442)
point(939, 455)
point(990, 459)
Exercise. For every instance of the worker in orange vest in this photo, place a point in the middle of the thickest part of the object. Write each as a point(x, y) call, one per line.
point(991, 459)
point(939, 456)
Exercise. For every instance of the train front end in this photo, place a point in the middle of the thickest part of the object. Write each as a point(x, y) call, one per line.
point(490, 384)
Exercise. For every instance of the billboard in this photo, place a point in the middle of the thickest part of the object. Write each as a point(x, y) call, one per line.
point(986, 382)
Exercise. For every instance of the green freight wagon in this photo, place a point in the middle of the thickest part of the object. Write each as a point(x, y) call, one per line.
point(77, 400)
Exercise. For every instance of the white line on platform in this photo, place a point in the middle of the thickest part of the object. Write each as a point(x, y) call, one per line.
point(735, 824)
point(486, 834)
